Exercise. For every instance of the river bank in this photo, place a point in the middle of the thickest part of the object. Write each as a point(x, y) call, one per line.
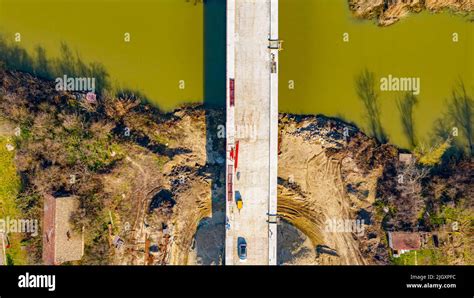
point(388, 12)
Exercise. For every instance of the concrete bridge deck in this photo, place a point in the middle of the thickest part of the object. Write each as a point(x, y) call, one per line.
point(252, 130)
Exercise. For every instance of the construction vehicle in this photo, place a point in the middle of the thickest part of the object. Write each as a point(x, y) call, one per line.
point(240, 203)
point(238, 200)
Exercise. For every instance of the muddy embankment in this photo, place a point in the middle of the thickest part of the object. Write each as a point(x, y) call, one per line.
point(387, 12)
point(328, 173)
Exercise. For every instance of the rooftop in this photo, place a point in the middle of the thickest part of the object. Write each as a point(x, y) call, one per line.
point(404, 240)
point(61, 242)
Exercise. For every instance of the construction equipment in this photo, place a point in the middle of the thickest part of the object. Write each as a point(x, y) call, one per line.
point(240, 203)
point(275, 44)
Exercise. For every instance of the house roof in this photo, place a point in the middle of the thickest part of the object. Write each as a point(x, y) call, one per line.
point(61, 242)
point(404, 240)
point(69, 242)
point(48, 229)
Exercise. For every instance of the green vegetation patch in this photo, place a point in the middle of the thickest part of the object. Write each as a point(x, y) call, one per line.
point(421, 257)
point(9, 180)
point(9, 188)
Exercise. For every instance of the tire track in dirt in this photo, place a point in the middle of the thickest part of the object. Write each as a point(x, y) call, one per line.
point(311, 192)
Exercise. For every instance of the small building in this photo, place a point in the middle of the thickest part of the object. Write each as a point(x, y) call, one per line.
point(402, 242)
point(61, 242)
point(118, 242)
point(405, 158)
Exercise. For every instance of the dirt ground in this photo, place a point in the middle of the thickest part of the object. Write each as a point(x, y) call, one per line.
point(294, 247)
point(165, 234)
point(312, 190)
point(208, 245)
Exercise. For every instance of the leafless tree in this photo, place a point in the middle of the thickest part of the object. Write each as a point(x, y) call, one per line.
point(410, 201)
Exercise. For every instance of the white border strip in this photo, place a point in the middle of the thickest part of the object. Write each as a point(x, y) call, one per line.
point(272, 204)
point(230, 123)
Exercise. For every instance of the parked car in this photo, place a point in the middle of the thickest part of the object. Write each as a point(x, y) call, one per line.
point(242, 248)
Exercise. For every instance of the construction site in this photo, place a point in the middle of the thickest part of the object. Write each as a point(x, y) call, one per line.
point(116, 180)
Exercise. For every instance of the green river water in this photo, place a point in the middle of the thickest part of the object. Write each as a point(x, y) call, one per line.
point(323, 67)
point(168, 45)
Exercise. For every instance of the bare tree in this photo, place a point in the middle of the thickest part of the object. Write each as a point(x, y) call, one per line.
point(410, 201)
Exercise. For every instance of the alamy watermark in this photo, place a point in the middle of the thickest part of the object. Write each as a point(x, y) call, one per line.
point(12, 225)
point(83, 84)
point(392, 83)
point(242, 131)
point(28, 280)
point(336, 225)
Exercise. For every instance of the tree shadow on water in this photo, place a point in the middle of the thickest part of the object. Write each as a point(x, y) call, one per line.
point(406, 105)
point(366, 91)
point(70, 64)
point(456, 124)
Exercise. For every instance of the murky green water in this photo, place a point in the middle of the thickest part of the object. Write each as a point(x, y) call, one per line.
point(168, 40)
point(323, 67)
point(166, 45)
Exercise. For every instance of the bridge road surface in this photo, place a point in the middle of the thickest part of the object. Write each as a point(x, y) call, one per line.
point(252, 130)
